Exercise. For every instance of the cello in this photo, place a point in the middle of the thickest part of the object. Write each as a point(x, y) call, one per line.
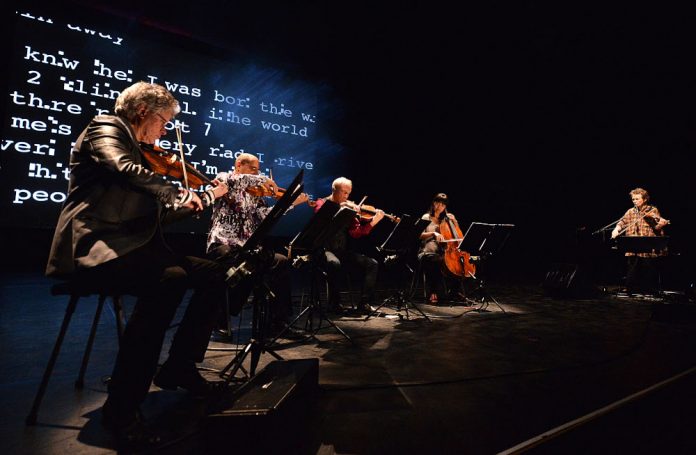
point(455, 262)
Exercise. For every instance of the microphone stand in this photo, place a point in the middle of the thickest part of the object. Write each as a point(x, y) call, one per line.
point(600, 230)
point(642, 216)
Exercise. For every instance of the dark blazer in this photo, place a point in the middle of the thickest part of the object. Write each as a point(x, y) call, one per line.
point(114, 204)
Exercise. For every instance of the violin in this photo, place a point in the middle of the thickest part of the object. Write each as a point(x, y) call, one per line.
point(455, 262)
point(166, 163)
point(646, 216)
point(367, 212)
point(277, 193)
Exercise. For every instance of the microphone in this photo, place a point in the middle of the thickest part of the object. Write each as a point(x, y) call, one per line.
point(300, 260)
point(390, 259)
point(236, 274)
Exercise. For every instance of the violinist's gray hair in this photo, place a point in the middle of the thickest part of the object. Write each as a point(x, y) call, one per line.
point(341, 181)
point(153, 97)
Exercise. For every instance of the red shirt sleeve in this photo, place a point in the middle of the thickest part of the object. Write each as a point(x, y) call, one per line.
point(318, 205)
point(356, 229)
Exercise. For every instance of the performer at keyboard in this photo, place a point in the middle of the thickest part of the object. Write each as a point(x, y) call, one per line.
point(641, 220)
point(338, 254)
point(236, 217)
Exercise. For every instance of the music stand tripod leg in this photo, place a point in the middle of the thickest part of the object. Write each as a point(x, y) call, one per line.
point(235, 364)
point(419, 310)
point(406, 303)
point(315, 304)
point(256, 345)
point(375, 311)
point(292, 324)
point(324, 317)
point(486, 297)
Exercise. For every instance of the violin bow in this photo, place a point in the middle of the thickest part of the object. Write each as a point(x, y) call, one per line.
point(181, 154)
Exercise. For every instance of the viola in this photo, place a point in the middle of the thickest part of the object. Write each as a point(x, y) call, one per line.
point(455, 262)
point(367, 212)
point(166, 163)
point(277, 193)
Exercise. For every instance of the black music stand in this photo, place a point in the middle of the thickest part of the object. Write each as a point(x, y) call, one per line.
point(482, 241)
point(328, 221)
point(642, 244)
point(399, 244)
point(252, 259)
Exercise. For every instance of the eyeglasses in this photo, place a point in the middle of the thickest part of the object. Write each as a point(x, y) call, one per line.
point(164, 120)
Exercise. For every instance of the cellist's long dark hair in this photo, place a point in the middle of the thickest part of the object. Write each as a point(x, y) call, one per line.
point(439, 197)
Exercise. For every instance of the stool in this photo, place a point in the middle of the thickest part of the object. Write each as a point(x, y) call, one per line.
point(75, 292)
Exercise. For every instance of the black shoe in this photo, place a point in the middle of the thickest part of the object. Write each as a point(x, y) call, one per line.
point(288, 332)
point(365, 309)
point(222, 335)
point(130, 433)
point(335, 309)
point(172, 376)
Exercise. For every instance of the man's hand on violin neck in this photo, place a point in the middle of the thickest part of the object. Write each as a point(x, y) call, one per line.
point(219, 188)
point(270, 185)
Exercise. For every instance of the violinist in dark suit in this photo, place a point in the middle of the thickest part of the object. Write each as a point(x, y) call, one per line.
point(641, 220)
point(109, 234)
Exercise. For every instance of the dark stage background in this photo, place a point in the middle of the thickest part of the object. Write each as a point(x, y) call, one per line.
point(540, 116)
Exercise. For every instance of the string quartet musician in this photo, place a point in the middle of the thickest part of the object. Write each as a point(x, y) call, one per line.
point(234, 220)
point(109, 234)
point(337, 253)
point(431, 255)
point(641, 220)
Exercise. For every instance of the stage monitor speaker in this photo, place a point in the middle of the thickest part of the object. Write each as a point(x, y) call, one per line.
point(271, 413)
point(568, 280)
point(272, 387)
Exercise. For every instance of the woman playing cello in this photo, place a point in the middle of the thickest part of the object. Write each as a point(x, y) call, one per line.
point(434, 246)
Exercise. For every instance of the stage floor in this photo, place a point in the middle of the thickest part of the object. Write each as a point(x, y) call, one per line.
point(597, 375)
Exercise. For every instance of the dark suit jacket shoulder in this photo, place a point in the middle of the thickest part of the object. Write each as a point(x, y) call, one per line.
point(114, 201)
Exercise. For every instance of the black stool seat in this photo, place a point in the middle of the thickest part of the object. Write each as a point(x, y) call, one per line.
point(82, 289)
point(76, 290)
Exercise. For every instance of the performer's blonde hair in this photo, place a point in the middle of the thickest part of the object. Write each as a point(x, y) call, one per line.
point(341, 181)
